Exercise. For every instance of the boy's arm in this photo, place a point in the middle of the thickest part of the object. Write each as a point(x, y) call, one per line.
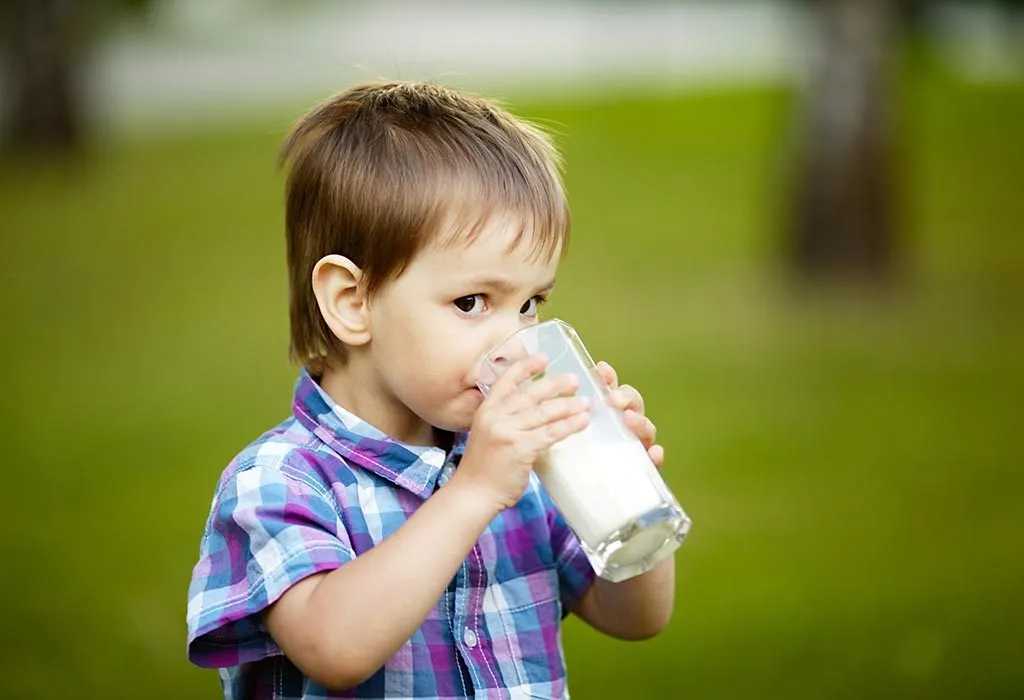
point(635, 609)
point(340, 627)
point(640, 607)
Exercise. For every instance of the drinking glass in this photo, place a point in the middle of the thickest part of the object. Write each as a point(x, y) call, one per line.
point(601, 479)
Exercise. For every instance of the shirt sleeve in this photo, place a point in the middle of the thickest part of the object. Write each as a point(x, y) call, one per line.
point(575, 574)
point(267, 530)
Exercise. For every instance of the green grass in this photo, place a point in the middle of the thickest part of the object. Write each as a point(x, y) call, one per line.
point(851, 461)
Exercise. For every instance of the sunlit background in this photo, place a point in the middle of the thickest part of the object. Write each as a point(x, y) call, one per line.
point(799, 230)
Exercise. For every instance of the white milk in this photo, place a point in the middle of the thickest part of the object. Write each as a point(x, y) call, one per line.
point(598, 487)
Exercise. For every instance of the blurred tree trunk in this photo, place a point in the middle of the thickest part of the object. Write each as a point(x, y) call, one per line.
point(842, 220)
point(44, 62)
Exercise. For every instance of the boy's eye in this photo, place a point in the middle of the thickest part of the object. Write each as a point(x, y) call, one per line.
point(472, 304)
point(531, 307)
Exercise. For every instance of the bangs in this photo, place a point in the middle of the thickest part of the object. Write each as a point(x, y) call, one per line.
point(542, 224)
point(523, 188)
point(430, 188)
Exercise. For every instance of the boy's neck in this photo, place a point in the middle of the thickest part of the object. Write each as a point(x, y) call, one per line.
point(346, 383)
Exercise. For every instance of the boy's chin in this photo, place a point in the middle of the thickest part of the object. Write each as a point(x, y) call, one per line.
point(459, 415)
point(453, 424)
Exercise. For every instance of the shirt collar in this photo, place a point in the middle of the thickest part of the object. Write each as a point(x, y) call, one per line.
point(411, 467)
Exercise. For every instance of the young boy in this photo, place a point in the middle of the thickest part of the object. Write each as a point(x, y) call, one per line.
point(390, 539)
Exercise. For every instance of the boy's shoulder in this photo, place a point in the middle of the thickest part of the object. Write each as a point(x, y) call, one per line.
point(288, 451)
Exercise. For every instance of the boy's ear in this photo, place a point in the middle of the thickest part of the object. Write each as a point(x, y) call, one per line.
point(342, 299)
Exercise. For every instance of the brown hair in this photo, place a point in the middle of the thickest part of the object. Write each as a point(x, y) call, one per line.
point(382, 169)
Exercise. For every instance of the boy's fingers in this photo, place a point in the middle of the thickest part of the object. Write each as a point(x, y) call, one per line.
point(608, 374)
point(553, 410)
point(515, 375)
point(561, 429)
point(642, 426)
point(626, 398)
point(526, 397)
point(551, 386)
point(657, 455)
point(529, 397)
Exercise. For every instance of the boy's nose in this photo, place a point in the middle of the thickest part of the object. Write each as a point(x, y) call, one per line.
point(507, 347)
point(500, 363)
point(503, 349)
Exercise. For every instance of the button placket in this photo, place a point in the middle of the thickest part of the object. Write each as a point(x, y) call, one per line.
point(446, 473)
point(448, 470)
point(461, 620)
point(450, 617)
point(480, 586)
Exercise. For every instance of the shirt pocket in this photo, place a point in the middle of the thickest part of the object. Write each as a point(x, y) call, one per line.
point(531, 616)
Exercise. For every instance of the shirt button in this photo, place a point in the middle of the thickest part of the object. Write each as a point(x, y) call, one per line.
point(469, 637)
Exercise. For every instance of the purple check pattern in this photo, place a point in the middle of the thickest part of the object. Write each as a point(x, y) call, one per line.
point(324, 487)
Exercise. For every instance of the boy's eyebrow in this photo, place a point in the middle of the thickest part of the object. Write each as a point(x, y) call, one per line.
point(503, 284)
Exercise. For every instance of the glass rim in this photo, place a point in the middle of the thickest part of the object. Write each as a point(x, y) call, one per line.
point(568, 331)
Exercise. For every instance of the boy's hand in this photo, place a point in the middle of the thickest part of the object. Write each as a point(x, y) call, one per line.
point(517, 423)
point(631, 403)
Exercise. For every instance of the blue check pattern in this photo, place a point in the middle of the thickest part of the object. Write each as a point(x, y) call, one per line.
point(324, 487)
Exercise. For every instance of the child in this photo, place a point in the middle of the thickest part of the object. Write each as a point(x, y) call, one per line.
point(390, 539)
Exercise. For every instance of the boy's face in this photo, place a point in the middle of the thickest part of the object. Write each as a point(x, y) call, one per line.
point(430, 326)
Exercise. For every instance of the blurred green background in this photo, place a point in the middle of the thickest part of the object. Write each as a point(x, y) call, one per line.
point(850, 456)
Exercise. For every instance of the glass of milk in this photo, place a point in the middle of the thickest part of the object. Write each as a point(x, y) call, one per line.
point(601, 479)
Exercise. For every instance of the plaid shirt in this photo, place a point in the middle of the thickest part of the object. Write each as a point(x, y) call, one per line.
point(324, 487)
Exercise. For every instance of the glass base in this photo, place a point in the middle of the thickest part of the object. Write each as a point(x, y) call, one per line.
point(640, 544)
